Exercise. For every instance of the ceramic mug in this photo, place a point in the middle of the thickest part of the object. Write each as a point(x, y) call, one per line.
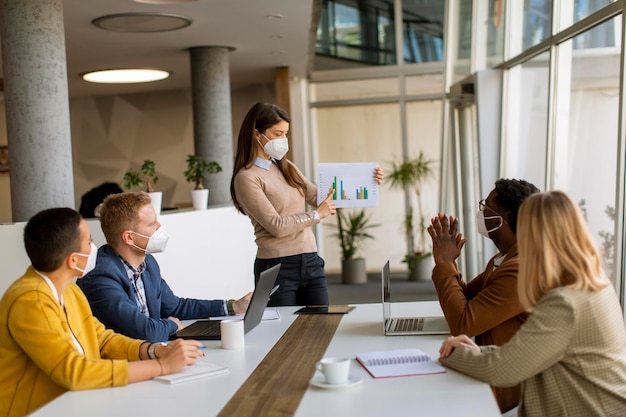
point(335, 370)
point(232, 334)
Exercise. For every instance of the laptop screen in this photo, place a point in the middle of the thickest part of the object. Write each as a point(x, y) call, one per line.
point(260, 297)
point(386, 295)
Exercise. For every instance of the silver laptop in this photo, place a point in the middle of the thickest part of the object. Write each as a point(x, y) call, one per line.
point(210, 329)
point(401, 326)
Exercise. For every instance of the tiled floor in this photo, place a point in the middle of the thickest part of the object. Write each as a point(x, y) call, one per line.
point(401, 290)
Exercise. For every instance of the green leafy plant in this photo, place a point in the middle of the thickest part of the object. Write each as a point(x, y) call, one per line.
point(198, 168)
point(607, 247)
point(352, 231)
point(411, 174)
point(146, 176)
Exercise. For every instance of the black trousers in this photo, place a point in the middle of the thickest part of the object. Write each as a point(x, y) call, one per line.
point(301, 278)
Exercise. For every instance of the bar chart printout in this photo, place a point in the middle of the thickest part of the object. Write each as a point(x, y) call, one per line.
point(353, 184)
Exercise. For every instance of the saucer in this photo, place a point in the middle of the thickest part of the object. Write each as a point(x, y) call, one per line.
point(319, 382)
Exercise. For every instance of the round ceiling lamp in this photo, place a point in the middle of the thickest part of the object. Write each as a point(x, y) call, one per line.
point(125, 76)
point(142, 22)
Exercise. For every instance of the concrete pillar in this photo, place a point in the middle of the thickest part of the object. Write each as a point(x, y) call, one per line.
point(212, 116)
point(37, 106)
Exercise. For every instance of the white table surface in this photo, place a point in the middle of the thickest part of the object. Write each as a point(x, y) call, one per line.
point(449, 394)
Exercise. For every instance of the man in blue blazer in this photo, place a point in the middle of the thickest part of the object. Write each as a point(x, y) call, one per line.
point(125, 289)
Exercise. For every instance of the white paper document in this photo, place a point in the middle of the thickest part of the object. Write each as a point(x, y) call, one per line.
point(352, 183)
point(267, 315)
point(198, 370)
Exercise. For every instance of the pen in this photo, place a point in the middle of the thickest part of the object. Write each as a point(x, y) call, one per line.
point(201, 347)
point(274, 289)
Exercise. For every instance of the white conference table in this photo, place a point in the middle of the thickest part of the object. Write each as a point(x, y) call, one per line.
point(449, 394)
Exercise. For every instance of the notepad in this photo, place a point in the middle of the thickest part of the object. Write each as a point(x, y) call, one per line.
point(399, 362)
point(193, 372)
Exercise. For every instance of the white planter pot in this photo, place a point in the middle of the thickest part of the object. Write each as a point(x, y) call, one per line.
point(156, 197)
point(200, 199)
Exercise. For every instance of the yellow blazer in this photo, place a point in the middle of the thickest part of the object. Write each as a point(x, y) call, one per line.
point(38, 358)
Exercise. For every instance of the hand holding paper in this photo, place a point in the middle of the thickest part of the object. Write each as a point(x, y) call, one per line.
point(351, 185)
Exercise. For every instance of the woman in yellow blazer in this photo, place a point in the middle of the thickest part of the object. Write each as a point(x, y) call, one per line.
point(570, 355)
point(49, 340)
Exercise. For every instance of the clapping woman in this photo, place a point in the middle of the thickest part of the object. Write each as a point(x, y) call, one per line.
point(570, 355)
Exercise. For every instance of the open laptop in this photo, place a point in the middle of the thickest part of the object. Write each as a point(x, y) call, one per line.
point(210, 329)
point(402, 326)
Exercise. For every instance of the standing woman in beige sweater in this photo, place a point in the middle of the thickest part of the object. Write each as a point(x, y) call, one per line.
point(273, 192)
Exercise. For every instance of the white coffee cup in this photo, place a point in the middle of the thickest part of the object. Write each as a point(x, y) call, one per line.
point(335, 370)
point(232, 334)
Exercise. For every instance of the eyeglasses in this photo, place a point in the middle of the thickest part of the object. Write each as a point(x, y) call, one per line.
point(482, 206)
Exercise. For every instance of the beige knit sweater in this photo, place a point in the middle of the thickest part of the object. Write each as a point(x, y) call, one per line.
point(281, 225)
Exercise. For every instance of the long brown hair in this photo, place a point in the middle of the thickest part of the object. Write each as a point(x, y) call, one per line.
point(261, 117)
point(555, 248)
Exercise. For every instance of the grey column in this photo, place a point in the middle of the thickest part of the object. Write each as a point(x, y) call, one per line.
point(212, 116)
point(37, 107)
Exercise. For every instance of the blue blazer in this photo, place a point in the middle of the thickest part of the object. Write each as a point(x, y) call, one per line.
point(112, 299)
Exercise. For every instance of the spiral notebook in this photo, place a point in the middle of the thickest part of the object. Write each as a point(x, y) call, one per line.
point(399, 362)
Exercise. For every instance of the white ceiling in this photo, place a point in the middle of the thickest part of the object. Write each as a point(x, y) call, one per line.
point(261, 44)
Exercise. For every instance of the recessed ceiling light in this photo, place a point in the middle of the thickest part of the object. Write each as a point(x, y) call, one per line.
point(125, 76)
point(277, 36)
point(142, 22)
point(274, 16)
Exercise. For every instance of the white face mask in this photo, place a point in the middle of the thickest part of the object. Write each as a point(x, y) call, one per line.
point(91, 260)
point(156, 243)
point(480, 223)
point(275, 148)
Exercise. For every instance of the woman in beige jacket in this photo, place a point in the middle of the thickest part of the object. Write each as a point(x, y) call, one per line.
point(570, 356)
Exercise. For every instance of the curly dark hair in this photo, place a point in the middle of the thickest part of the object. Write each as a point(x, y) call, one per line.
point(510, 194)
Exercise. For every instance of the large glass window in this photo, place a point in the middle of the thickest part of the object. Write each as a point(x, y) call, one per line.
point(584, 8)
point(461, 32)
point(422, 25)
point(601, 36)
point(586, 146)
point(353, 33)
point(527, 122)
point(537, 22)
point(358, 33)
point(495, 32)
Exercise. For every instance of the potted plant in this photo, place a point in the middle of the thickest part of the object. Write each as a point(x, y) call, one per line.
point(197, 169)
point(144, 178)
point(411, 174)
point(352, 230)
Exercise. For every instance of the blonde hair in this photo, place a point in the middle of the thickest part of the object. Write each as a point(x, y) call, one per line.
point(120, 212)
point(555, 248)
